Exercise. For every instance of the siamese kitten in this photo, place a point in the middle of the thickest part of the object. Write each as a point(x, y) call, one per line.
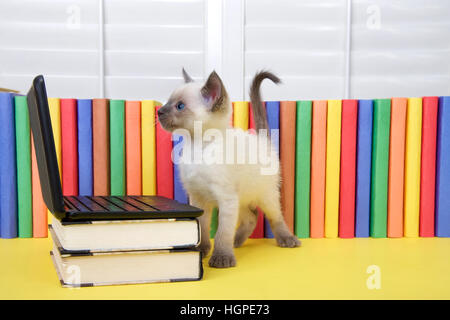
point(236, 187)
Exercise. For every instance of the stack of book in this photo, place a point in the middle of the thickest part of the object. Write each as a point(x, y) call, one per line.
point(111, 252)
point(352, 168)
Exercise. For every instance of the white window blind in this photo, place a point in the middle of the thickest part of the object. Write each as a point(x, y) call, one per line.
point(135, 49)
point(303, 42)
point(145, 43)
point(54, 38)
point(148, 42)
point(400, 48)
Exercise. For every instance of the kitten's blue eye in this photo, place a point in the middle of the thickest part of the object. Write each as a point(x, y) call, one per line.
point(180, 106)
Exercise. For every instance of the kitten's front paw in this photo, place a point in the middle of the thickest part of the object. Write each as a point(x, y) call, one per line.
point(288, 241)
point(222, 260)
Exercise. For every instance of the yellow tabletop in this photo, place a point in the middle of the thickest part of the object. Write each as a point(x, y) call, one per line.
point(407, 268)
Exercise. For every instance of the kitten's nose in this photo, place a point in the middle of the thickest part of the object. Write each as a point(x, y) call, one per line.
point(160, 112)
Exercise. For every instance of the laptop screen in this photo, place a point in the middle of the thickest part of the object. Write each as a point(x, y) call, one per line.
point(44, 145)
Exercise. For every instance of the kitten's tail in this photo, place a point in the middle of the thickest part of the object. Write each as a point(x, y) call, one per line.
point(259, 111)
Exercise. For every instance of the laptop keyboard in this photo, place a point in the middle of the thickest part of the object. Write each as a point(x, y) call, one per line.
point(112, 204)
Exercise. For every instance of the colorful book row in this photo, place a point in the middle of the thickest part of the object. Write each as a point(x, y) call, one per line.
point(361, 168)
point(349, 168)
point(104, 147)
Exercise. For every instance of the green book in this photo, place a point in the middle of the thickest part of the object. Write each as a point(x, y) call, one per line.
point(303, 168)
point(380, 168)
point(117, 147)
point(214, 223)
point(23, 158)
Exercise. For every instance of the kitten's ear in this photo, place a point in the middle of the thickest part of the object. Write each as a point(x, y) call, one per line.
point(187, 78)
point(214, 92)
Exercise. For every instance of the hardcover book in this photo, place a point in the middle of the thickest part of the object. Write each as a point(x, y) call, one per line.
point(115, 235)
point(333, 156)
point(8, 179)
point(258, 232)
point(117, 147)
point(318, 165)
point(100, 146)
point(40, 216)
point(55, 118)
point(273, 120)
point(179, 193)
point(363, 168)
point(396, 167)
point(443, 169)
point(164, 164)
point(428, 167)
point(302, 168)
point(133, 147)
point(69, 147)
point(348, 169)
point(412, 167)
point(148, 144)
point(126, 267)
point(380, 168)
point(288, 111)
point(23, 153)
point(85, 168)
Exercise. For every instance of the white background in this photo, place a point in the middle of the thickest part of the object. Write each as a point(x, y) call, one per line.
point(134, 49)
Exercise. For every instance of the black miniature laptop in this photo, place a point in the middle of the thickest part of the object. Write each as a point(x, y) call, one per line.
point(79, 208)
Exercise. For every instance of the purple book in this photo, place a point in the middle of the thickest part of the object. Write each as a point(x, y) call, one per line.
point(443, 169)
point(363, 167)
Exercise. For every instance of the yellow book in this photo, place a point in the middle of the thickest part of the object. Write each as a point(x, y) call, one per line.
point(240, 115)
point(148, 118)
point(412, 167)
point(332, 171)
point(55, 117)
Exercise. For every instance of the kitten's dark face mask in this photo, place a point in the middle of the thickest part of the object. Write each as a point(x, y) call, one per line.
point(193, 102)
point(172, 115)
point(165, 117)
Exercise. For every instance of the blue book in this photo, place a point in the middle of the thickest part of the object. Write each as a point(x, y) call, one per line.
point(179, 193)
point(442, 223)
point(8, 170)
point(84, 116)
point(273, 119)
point(363, 167)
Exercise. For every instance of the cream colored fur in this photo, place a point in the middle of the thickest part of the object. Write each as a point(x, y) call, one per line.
point(236, 188)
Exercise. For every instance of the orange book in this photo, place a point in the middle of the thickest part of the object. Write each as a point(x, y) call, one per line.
point(100, 145)
point(287, 160)
point(318, 160)
point(39, 207)
point(396, 167)
point(133, 147)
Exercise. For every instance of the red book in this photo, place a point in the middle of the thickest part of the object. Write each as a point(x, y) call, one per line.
point(164, 165)
point(259, 229)
point(69, 147)
point(428, 166)
point(348, 169)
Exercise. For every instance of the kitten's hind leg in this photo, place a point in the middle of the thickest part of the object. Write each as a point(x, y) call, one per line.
point(248, 218)
point(270, 204)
